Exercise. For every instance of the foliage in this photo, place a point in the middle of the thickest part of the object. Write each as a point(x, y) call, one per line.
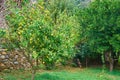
point(100, 25)
point(2, 33)
point(83, 50)
point(16, 3)
point(42, 38)
point(6, 42)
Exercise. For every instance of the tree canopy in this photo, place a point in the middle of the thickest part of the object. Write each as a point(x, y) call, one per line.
point(100, 25)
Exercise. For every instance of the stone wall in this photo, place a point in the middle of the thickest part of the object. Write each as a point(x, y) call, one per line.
point(2, 14)
point(13, 60)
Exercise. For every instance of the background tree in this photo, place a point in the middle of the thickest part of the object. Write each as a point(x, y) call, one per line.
point(101, 29)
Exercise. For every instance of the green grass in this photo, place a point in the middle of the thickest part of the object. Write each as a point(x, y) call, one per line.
point(72, 74)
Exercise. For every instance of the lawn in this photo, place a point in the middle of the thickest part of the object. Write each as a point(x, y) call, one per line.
point(64, 74)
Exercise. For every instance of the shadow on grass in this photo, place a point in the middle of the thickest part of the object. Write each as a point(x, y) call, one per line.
point(114, 73)
point(9, 77)
point(47, 76)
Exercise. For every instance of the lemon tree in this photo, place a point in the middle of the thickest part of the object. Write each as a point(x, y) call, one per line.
point(40, 36)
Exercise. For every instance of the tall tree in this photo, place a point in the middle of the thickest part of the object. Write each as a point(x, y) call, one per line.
point(100, 23)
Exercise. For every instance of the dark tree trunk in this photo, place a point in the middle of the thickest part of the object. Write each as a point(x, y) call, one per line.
point(111, 62)
point(109, 57)
point(79, 63)
point(37, 62)
point(86, 62)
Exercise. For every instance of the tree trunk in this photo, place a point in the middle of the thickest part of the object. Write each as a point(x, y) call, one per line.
point(86, 62)
point(28, 57)
point(111, 64)
point(33, 74)
point(109, 58)
point(37, 62)
point(79, 63)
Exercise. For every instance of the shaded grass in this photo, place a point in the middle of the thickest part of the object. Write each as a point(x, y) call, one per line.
point(73, 74)
point(47, 76)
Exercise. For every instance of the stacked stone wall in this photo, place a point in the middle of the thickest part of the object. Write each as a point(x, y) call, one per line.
point(13, 60)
